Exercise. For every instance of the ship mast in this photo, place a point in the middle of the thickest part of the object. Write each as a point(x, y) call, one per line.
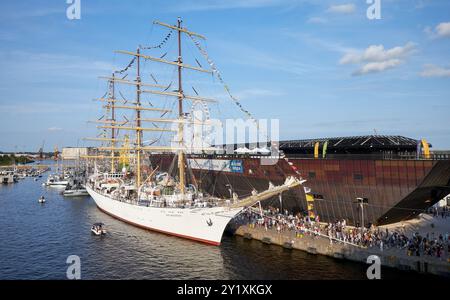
point(139, 108)
point(138, 120)
point(181, 166)
point(113, 120)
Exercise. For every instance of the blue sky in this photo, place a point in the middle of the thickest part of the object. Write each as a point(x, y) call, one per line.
point(322, 67)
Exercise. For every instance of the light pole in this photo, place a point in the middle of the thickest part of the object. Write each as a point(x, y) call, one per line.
point(361, 202)
point(280, 197)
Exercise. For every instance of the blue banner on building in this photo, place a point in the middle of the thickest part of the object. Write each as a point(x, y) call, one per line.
point(236, 166)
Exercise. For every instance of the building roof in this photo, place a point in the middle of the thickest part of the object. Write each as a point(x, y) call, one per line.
point(361, 142)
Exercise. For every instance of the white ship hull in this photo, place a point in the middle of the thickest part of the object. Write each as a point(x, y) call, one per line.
point(200, 224)
point(57, 183)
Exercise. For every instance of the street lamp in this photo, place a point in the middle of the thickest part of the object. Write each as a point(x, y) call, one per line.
point(361, 202)
point(280, 198)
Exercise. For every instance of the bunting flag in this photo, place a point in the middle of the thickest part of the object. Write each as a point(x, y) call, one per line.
point(310, 206)
point(316, 150)
point(324, 150)
point(163, 42)
point(309, 196)
point(426, 148)
point(127, 67)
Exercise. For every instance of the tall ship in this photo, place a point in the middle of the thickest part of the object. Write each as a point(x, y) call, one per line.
point(373, 179)
point(128, 183)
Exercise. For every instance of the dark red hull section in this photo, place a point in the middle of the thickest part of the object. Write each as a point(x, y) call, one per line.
point(397, 189)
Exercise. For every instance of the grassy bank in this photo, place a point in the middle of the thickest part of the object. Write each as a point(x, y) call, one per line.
point(7, 160)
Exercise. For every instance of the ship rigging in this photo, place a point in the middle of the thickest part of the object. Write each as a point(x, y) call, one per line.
point(151, 199)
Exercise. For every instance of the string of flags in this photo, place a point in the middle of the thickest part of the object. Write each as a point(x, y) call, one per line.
point(127, 67)
point(219, 76)
point(307, 190)
point(163, 42)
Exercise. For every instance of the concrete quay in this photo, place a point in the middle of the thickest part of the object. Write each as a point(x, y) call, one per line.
point(394, 258)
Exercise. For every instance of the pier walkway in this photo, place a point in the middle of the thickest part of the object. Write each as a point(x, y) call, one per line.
point(321, 244)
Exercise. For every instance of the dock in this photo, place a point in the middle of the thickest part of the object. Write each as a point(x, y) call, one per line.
point(316, 245)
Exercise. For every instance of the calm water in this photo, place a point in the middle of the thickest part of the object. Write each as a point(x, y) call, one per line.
point(35, 241)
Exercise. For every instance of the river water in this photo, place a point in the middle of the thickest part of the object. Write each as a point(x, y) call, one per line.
point(36, 239)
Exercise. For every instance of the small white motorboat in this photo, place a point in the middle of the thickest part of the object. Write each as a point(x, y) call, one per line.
point(98, 229)
point(56, 181)
point(42, 199)
point(75, 191)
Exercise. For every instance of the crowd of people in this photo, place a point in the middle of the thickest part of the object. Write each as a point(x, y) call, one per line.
point(339, 232)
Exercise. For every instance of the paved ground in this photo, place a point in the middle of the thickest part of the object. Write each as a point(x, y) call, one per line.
point(424, 224)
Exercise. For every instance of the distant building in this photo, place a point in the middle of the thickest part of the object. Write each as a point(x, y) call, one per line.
point(74, 153)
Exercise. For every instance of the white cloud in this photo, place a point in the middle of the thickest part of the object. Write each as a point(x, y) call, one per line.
point(430, 70)
point(441, 30)
point(376, 58)
point(317, 20)
point(375, 67)
point(342, 8)
point(54, 129)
